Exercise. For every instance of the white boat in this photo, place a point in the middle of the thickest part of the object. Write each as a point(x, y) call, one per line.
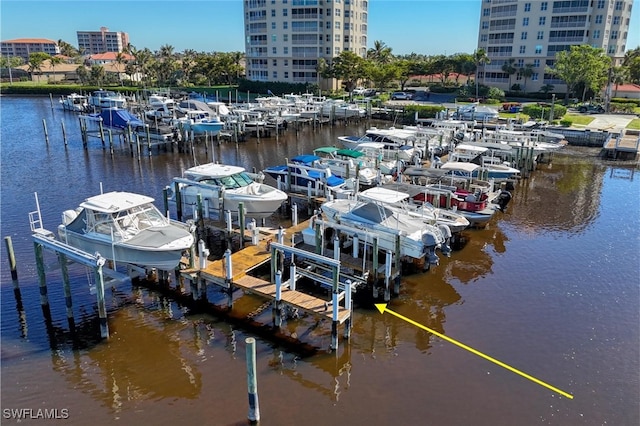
point(199, 122)
point(399, 195)
point(75, 102)
point(161, 107)
point(346, 163)
point(127, 228)
point(397, 142)
point(338, 108)
point(223, 187)
point(107, 99)
point(374, 153)
point(418, 241)
point(302, 174)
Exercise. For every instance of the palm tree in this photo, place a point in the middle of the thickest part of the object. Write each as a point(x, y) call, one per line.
point(120, 60)
point(510, 69)
point(36, 61)
point(380, 53)
point(618, 76)
point(54, 61)
point(10, 62)
point(479, 58)
point(526, 72)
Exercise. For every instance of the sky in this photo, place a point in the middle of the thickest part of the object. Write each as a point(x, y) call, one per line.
point(429, 27)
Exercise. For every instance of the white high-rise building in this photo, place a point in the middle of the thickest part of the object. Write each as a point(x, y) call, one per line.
point(284, 39)
point(532, 32)
point(94, 42)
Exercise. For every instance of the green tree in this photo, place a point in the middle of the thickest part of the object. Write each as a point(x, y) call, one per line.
point(582, 65)
point(36, 61)
point(509, 68)
point(10, 62)
point(526, 72)
point(618, 76)
point(83, 74)
point(462, 65)
point(632, 62)
point(97, 74)
point(349, 68)
point(380, 53)
point(54, 61)
point(120, 64)
point(67, 50)
point(480, 58)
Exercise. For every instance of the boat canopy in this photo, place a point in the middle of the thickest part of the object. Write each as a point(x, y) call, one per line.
point(461, 166)
point(113, 202)
point(305, 159)
point(384, 195)
point(325, 150)
point(352, 153)
point(212, 170)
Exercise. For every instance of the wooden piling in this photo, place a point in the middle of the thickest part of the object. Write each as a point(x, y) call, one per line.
point(241, 219)
point(252, 382)
point(44, 298)
point(12, 262)
point(66, 283)
point(102, 309)
point(46, 134)
point(64, 133)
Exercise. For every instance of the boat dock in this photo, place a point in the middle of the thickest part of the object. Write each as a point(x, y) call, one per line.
point(625, 145)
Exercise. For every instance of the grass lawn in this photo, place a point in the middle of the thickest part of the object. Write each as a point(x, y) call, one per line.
point(580, 120)
point(634, 124)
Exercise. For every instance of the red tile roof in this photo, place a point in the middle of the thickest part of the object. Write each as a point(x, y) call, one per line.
point(626, 87)
point(31, 40)
point(109, 56)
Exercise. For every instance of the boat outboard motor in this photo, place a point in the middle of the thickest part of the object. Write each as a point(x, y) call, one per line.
point(503, 199)
point(445, 247)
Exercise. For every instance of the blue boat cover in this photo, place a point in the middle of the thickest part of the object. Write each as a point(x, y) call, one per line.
point(119, 118)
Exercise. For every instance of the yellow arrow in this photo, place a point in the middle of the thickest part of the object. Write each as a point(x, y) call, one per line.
point(382, 307)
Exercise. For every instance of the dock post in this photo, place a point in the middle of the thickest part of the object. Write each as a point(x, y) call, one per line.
point(294, 214)
point(12, 264)
point(101, 134)
point(46, 134)
point(276, 312)
point(252, 382)
point(241, 219)
point(203, 254)
point(200, 213)
point(165, 200)
point(44, 298)
point(67, 291)
point(64, 133)
point(387, 275)
point(102, 309)
point(356, 247)
point(228, 277)
point(255, 233)
point(375, 268)
point(292, 274)
point(229, 227)
point(336, 307)
point(178, 197)
point(309, 194)
point(348, 306)
point(280, 235)
point(397, 266)
point(336, 247)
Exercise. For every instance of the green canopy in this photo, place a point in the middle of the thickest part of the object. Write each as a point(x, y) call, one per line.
point(325, 150)
point(349, 153)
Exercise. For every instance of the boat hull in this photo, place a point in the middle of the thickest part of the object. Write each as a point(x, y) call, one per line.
point(121, 252)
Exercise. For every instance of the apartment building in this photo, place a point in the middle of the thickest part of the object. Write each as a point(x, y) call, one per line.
point(532, 32)
point(93, 42)
point(23, 47)
point(284, 39)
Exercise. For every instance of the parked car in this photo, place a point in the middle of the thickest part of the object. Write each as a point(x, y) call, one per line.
point(359, 91)
point(400, 96)
point(591, 108)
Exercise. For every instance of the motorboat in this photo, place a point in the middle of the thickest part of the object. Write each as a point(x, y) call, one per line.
point(75, 103)
point(303, 174)
point(398, 143)
point(345, 163)
point(223, 187)
point(374, 152)
point(107, 99)
point(126, 228)
point(401, 196)
point(117, 118)
point(160, 107)
point(418, 240)
point(199, 122)
point(338, 108)
point(498, 172)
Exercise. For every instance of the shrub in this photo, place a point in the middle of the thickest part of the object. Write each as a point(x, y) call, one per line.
point(565, 123)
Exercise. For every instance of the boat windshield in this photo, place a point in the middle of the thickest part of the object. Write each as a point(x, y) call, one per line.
point(141, 217)
point(234, 181)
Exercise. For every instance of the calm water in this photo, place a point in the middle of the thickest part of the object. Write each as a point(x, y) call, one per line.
point(551, 288)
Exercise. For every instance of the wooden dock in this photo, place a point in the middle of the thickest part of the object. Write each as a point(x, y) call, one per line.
point(626, 145)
